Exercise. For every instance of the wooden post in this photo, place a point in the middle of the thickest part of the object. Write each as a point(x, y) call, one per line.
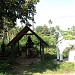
point(42, 50)
point(12, 53)
point(18, 45)
point(19, 52)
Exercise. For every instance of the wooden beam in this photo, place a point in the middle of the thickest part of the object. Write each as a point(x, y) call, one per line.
point(27, 33)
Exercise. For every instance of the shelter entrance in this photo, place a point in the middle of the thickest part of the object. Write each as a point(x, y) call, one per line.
point(29, 50)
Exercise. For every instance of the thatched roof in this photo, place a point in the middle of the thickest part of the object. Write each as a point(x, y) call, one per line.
point(22, 33)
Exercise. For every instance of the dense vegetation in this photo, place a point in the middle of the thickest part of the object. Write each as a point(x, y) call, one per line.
point(47, 66)
point(25, 11)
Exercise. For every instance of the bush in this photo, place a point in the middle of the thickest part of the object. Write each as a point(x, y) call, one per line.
point(4, 66)
point(50, 53)
point(50, 40)
point(66, 67)
point(69, 37)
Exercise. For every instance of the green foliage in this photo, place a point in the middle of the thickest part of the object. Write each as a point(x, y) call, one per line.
point(49, 39)
point(23, 40)
point(65, 33)
point(50, 53)
point(39, 29)
point(48, 67)
point(66, 53)
point(57, 27)
point(13, 9)
point(72, 30)
point(50, 21)
point(52, 29)
point(4, 73)
point(4, 66)
point(69, 37)
point(66, 67)
point(43, 30)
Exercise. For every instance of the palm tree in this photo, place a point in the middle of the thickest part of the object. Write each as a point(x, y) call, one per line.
point(50, 22)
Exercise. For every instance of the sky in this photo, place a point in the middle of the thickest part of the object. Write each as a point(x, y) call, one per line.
point(61, 12)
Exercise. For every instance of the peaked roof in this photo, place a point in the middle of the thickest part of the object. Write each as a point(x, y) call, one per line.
point(22, 33)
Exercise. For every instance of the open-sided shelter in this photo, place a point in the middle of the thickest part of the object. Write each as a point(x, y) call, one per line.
point(24, 32)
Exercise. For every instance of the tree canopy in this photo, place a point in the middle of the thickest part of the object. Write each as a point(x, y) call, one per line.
point(10, 10)
point(43, 30)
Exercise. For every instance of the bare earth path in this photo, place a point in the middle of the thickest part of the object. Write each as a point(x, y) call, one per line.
point(23, 64)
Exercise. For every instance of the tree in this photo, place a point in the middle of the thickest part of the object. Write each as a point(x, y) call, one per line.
point(52, 30)
point(50, 22)
point(39, 29)
point(57, 27)
point(73, 30)
point(10, 10)
point(13, 9)
point(45, 30)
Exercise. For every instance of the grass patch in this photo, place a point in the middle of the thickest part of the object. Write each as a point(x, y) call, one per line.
point(4, 68)
point(46, 67)
point(49, 67)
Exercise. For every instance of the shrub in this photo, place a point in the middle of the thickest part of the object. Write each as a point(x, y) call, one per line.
point(4, 66)
point(66, 67)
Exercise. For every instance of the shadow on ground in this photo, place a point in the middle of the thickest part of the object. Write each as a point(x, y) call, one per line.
point(35, 65)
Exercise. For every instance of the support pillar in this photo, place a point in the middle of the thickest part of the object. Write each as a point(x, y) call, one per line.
point(42, 50)
point(12, 53)
point(19, 52)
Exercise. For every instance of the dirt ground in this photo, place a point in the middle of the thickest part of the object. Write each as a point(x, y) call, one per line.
point(22, 64)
